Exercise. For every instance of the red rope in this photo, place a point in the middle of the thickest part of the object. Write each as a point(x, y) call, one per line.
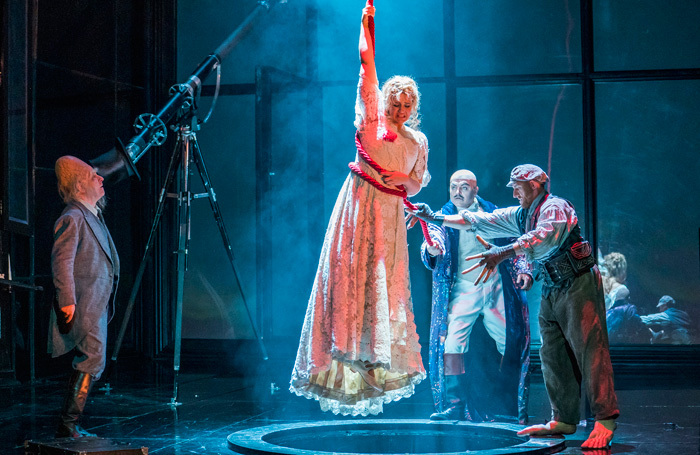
point(401, 191)
point(370, 25)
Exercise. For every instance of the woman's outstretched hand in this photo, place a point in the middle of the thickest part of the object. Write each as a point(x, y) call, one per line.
point(366, 46)
point(367, 12)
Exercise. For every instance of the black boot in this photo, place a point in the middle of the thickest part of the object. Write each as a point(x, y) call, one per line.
point(79, 387)
point(454, 392)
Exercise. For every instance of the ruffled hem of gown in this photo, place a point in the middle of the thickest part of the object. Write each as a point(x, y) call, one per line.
point(363, 403)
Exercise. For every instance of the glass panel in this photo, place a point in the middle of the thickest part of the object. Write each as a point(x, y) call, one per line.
point(94, 26)
point(402, 32)
point(516, 37)
point(646, 34)
point(338, 146)
point(213, 307)
point(648, 163)
point(292, 254)
point(275, 38)
point(507, 126)
point(17, 173)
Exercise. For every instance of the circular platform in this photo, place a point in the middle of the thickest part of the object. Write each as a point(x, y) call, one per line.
point(364, 437)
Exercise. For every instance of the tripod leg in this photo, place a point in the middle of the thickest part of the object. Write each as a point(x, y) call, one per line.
point(144, 260)
point(199, 161)
point(184, 204)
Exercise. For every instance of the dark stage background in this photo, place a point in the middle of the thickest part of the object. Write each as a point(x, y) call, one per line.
point(602, 95)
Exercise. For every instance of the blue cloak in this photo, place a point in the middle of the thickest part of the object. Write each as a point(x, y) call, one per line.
point(495, 387)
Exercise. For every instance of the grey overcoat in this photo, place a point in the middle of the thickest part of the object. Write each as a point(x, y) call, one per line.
point(85, 267)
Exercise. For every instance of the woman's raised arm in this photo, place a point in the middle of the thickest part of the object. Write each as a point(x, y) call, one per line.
point(368, 70)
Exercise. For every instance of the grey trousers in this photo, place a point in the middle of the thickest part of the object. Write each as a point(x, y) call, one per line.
point(575, 349)
point(91, 351)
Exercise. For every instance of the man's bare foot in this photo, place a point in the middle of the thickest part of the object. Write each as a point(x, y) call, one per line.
point(601, 435)
point(550, 428)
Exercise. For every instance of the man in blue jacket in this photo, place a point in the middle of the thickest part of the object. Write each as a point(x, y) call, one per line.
point(85, 268)
point(494, 379)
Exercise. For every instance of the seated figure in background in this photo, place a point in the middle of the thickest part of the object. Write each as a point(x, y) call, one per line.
point(625, 326)
point(614, 278)
point(671, 324)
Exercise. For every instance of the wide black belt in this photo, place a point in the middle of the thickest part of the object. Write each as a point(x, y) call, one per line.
point(570, 263)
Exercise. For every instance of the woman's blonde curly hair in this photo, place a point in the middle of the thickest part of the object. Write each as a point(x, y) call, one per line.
point(616, 264)
point(394, 87)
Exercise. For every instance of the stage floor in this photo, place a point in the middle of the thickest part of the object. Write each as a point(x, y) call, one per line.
point(655, 420)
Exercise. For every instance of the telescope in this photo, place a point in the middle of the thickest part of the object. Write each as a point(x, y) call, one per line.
point(151, 130)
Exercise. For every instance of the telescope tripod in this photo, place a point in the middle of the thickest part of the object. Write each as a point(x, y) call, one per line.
point(186, 154)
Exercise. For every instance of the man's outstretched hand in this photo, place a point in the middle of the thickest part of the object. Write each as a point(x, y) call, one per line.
point(425, 213)
point(490, 259)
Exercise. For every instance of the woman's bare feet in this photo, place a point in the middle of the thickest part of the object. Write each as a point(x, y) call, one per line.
point(551, 428)
point(601, 435)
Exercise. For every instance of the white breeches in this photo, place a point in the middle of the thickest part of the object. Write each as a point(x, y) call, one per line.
point(467, 302)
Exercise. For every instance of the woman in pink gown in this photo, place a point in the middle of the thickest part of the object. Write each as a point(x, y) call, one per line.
point(359, 347)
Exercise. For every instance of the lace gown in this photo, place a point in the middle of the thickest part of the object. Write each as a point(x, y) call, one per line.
point(360, 307)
